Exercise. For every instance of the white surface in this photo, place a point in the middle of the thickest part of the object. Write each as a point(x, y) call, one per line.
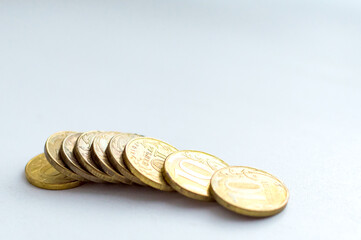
point(270, 84)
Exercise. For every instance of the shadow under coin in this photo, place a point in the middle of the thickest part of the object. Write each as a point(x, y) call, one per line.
point(146, 195)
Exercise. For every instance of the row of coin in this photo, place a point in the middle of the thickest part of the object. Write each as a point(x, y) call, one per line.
point(72, 158)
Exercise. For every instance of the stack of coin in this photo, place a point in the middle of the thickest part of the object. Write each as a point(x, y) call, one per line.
point(72, 158)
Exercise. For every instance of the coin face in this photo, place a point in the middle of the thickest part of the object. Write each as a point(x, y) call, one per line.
point(249, 191)
point(83, 153)
point(115, 154)
point(99, 147)
point(51, 150)
point(67, 154)
point(145, 158)
point(190, 172)
point(40, 173)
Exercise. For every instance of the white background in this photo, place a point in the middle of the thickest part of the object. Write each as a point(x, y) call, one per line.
point(269, 84)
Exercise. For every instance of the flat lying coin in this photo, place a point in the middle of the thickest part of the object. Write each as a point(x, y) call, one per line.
point(249, 191)
point(82, 152)
point(51, 150)
point(67, 154)
point(145, 158)
point(99, 147)
point(190, 172)
point(41, 174)
point(115, 155)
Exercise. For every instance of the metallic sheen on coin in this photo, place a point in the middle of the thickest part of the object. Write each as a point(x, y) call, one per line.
point(145, 158)
point(190, 172)
point(249, 191)
point(67, 154)
point(40, 173)
point(115, 154)
point(51, 150)
point(82, 152)
point(99, 147)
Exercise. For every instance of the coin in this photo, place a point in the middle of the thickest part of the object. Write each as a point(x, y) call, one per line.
point(51, 150)
point(82, 152)
point(115, 154)
point(99, 147)
point(145, 158)
point(249, 191)
point(67, 154)
point(190, 172)
point(40, 173)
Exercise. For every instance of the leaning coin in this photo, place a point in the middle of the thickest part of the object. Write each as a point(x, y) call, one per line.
point(67, 154)
point(115, 155)
point(41, 174)
point(99, 147)
point(249, 191)
point(82, 152)
point(51, 150)
point(190, 172)
point(145, 158)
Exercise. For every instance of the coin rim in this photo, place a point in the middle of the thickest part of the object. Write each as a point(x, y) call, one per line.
point(163, 187)
point(181, 189)
point(62, 169)
point(42, 185)
point(108, 169)
point(77, 168)
point(244, 211)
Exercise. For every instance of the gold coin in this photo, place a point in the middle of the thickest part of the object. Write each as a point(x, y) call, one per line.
point(67, 154)
point(190, 172)
point(40, 173)
point(51, 150)
point(115, 151)
point(145, 158)
point(99, 147)
point(249, 191)
point(83, 153)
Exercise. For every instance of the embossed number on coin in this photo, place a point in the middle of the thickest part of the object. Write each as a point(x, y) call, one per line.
point(190, 172)
point(145, 158)
point(41, 174)
point(249, 191)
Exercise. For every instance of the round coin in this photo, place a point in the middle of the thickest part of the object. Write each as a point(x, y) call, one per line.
point(190, 172)
point(249, 191)
point(82, 152)
point(145, 158)
point(67, 154)
point(40, 173)
point(99, 147)
point(51, 150)
point(115, 154)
